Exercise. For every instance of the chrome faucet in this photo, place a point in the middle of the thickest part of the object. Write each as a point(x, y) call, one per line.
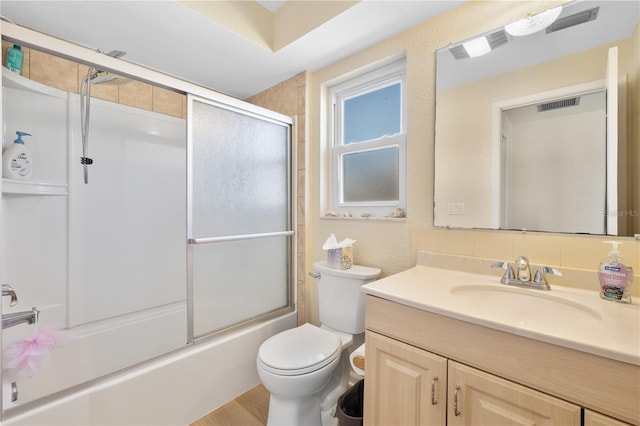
point(524, 270)
point(521, 275)
point(15, 318)
point(7, 290)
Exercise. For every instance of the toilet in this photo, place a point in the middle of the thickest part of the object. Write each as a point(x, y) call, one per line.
point(305, 369)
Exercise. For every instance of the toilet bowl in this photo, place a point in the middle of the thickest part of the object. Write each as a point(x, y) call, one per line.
point(305, 369)
point(294, 366)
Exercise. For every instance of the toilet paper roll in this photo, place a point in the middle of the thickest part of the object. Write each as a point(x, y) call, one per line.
point(357, 360)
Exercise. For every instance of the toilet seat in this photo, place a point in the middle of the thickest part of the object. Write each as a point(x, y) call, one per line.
point(299, 350)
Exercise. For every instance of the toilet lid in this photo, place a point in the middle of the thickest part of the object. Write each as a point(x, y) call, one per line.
point(299, 350)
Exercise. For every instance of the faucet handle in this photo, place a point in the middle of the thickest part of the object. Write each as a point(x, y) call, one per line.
point(541, 273)
point(508, 270)
point(7, 290)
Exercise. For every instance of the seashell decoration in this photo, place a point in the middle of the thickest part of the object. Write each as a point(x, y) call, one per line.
point(366, 214)
point(398, 213)
point(331, 214)
point(347, 214)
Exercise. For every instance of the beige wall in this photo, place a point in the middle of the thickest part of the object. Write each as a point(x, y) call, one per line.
point(392, 245)
point(289, 98)
point(67, 75)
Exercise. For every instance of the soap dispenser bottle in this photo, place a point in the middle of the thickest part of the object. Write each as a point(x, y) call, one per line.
point(14, 59)
point(615, 277)
point(16, 159)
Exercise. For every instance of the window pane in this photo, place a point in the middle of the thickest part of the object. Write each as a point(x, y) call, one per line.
point(372, 115)
point(371, 175)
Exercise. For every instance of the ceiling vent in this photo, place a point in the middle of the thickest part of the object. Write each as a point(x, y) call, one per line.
point(458, 52)
point(573, 20)
point(563, 103)
point(497, 39)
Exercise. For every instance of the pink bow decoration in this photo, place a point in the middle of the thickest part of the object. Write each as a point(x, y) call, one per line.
point(30, 354)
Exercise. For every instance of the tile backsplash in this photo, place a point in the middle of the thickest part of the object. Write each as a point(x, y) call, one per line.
point(577, 254)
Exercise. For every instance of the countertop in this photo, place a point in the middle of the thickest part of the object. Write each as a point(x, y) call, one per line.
point(572, 318)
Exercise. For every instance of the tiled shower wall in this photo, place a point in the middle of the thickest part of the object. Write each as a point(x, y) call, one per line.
point(288, 98)
point(67, 75)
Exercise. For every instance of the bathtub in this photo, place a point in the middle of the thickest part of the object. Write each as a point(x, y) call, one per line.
point(175, 389)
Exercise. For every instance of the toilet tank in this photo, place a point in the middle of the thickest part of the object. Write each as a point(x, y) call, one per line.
point(340, 296)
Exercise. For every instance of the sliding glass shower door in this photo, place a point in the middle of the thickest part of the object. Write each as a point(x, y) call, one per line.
point(240, 224)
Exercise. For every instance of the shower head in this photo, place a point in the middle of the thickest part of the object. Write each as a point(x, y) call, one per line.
point(116, 53)
point(105, 77)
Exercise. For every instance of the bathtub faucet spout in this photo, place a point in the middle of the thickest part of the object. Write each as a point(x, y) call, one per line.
point(15, 318)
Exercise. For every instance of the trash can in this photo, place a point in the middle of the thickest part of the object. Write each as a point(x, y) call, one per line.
point(350, 405)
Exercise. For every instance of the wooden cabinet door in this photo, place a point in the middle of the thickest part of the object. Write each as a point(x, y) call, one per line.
point(404, 385)
point(592, 418)
point(481, 399)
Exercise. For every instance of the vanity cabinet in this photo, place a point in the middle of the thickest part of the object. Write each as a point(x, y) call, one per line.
point(597, 419)
point(404, 385)
point(479, 398)
point(410, 386)
point(496, 377)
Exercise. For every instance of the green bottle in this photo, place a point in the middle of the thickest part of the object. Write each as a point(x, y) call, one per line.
point(14, 59)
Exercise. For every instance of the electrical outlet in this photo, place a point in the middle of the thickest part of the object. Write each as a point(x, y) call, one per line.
point(455, 208)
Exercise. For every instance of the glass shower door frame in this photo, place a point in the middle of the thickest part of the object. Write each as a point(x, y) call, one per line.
point(270, 117)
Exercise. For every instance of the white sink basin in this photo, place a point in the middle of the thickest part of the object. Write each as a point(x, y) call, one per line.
point(523, 306)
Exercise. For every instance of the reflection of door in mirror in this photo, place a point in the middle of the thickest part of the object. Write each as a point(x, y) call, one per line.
point(560, 159)
point(554, 159)
point(614, 154)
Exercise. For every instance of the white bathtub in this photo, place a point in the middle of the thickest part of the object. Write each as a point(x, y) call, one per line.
point(174, 390)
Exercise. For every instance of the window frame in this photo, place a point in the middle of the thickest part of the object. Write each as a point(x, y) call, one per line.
point(367, 82)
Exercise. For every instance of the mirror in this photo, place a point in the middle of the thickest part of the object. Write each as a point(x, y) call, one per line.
point(521, 134)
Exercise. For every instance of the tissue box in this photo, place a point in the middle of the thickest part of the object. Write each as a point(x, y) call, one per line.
point(340, 258)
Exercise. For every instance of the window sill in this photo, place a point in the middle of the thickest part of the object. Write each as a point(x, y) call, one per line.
point(369, 219)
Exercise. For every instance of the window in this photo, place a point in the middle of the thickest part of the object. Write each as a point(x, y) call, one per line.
point(367, 143)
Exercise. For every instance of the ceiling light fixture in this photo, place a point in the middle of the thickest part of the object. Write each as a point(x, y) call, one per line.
point(477, 47)
point(533, 24)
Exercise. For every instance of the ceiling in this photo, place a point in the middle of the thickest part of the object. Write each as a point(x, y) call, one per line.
point(272, 5)
point(172, 37)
